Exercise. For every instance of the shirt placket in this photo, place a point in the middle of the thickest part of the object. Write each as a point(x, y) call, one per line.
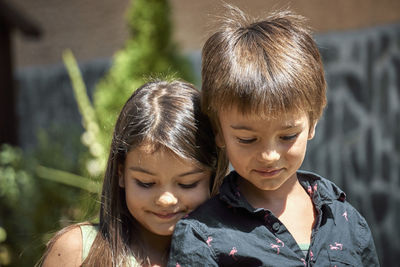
point(313, 251)
point(282, 240)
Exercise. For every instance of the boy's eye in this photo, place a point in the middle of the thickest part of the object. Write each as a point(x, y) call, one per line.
point(144, 185)
point(188, 186)
point(289, 137)
point(245, 141)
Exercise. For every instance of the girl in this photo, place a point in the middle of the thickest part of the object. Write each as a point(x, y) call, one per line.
point(161, 166)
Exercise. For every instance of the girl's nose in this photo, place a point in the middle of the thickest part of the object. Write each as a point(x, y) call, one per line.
point(268, 155)
point(166, 199)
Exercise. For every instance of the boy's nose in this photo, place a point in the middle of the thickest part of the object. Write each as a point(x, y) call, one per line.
point(166, 199)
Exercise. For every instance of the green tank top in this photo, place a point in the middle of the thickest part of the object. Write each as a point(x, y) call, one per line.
point(89, 233)
point(304, 248)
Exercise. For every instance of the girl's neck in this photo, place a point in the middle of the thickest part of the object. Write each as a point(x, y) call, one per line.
point(155, 247)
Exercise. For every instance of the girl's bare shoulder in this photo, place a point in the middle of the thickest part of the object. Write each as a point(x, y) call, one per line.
point(66, 250)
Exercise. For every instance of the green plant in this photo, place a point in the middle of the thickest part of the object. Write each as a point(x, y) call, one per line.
point(149, 52)
point(15, 183)
point(31, 206)
point(14, 179)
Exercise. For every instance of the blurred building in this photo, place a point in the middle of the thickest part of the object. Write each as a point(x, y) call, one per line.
point(358, 140)
point(96, 29)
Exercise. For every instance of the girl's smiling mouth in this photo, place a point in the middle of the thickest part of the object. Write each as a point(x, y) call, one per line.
point(167, 215)
point(268, 172)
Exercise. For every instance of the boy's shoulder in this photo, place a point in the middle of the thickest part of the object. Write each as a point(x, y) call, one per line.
point(208, 211)
point(328, 193)
point(327, 190)
point(217, 210)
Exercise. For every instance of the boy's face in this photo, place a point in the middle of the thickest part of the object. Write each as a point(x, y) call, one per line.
point(266, 152)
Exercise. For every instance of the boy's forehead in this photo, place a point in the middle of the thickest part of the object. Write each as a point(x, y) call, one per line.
point(248, 113)
point(234, 113)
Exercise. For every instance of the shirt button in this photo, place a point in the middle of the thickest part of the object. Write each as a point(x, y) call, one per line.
point(276, 226)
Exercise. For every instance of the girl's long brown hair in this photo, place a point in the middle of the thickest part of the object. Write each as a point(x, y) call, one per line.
point(164, 115)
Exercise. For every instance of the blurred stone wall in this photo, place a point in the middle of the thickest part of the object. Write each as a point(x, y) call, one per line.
point(357, 144)
point(45, 99)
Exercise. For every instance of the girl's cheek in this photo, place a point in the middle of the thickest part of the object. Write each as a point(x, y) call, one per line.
point(194, 199)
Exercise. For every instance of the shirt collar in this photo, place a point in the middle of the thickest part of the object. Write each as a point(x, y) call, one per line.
point(321, 190)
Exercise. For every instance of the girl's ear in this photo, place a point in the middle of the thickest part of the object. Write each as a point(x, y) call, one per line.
point(311, 132)
point(121, 181)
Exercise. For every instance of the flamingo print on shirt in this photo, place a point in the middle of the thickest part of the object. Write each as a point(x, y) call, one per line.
point(209, 239)
point(311, 190)
point(337, 246)
point(340, 232)
point(275, 246)
point(233, 252)
point(278, 245)
point(345, 215)
point(237, 193)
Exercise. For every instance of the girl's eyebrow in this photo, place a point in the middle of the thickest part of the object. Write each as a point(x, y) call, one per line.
point(194, 171)
point(140, 169)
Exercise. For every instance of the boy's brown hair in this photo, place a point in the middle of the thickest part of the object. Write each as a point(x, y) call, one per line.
point(264, 67)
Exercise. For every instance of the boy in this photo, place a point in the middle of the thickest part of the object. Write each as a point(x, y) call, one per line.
point(264, 90)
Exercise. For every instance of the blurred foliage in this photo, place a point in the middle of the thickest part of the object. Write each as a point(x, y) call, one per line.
point(32, 207)
point(149, 52)
point(16, 183)
point(91, 137)
point(58, 182)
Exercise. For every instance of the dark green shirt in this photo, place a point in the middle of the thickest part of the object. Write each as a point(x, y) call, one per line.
point(228, 231)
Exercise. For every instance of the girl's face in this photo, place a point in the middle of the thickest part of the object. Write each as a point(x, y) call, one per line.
point(161, 188)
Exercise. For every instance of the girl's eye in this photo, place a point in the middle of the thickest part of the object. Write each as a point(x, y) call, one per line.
point(246, 141)
point(144, 185)
point(188, 186)
point(289, 137)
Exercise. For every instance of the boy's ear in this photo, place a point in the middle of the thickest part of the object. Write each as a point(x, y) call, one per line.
point(219, 139)
point(311, 132)
point(121, 181)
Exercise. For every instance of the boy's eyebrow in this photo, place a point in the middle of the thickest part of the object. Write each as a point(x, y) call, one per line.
point(247, 128)
point(291, 125)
